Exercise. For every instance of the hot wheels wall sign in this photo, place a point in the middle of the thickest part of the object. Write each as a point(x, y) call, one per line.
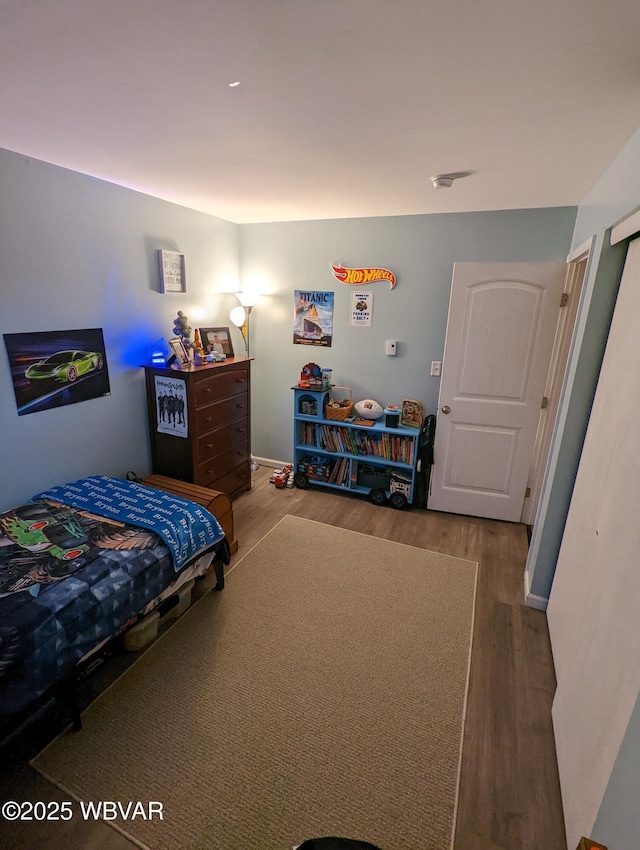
point(359, 276)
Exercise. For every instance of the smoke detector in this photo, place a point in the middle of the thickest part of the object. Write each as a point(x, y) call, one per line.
point(442, 181)
point(445, 181)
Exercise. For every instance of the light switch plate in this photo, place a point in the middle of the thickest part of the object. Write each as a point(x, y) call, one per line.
point(436, 368)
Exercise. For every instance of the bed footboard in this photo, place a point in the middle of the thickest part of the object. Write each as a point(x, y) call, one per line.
point(216, 502)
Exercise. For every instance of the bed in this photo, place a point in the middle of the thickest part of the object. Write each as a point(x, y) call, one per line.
point(81, 563)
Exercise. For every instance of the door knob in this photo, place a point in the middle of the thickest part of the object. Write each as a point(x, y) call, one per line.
point(446, 408)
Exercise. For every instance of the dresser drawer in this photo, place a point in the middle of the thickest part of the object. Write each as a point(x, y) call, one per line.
point(216, 442)
point(235, 481)
point(214, 415)
point(216, 466)
point(221, 386)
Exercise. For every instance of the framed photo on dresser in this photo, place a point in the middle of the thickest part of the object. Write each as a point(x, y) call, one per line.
point(179, 351)
point(216, 339)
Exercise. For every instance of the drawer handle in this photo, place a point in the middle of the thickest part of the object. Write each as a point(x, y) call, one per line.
point(240, 381)
point(207, 419)
point(207, 389)
point(209, 446)
point(240, 406)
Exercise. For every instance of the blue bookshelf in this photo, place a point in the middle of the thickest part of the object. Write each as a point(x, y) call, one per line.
point(375, 461)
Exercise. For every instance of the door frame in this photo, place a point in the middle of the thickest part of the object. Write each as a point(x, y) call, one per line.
point(576, 271)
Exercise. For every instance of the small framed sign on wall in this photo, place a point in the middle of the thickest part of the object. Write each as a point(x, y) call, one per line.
point(172, 276)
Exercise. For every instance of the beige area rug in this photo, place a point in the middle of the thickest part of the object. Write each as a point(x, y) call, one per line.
point(321, 693)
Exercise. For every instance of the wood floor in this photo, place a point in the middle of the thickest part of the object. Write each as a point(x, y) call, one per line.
point(509, 791)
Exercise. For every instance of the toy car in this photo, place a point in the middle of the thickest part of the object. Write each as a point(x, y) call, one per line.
point(215, 357)
point(400, 489)
point(281, 477)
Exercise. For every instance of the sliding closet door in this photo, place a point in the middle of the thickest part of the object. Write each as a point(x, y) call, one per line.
point(595, 598)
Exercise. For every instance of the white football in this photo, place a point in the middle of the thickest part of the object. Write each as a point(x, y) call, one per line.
point(368, 409)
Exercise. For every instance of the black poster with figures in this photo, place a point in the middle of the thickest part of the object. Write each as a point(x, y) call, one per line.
point(54, 368)
point(171, 406)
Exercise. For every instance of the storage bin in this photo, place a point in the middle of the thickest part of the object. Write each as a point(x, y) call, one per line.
point(374, 477)
point(146, 629)
point(339, 408)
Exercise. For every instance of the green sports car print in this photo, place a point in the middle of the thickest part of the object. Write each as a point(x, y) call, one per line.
point(65, 366)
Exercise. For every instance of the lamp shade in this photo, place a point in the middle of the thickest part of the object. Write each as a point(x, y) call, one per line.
point(247, 299)
point(238, 316)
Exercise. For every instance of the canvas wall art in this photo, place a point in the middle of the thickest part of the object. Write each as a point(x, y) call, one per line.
point(312, 317)
point(55, 368)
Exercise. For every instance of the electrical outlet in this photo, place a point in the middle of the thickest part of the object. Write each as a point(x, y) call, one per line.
point(436, 367)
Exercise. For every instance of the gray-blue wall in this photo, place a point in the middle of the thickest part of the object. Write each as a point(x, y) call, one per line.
point(76, 252)
point(421, 251)
point(614, 196)
point(618, 822)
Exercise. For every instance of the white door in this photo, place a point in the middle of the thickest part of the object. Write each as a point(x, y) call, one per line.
point(500, 333)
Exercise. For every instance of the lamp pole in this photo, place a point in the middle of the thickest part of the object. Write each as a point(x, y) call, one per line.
point(240, 315)
point(248, 308)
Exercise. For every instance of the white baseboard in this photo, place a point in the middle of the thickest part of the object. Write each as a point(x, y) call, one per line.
point(267, 461)
point(532, 600)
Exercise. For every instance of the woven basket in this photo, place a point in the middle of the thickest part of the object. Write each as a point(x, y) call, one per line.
point(344, 409)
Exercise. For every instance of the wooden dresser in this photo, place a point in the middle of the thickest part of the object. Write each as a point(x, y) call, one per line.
point(200, 424)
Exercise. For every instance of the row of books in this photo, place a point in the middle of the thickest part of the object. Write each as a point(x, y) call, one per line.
point(397, 448)
point(340, 472)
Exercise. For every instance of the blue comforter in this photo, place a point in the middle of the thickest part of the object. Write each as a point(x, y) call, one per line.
point(72, 577)
point(185, 527)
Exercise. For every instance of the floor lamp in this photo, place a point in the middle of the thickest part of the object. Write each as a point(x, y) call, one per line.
point(240, 315)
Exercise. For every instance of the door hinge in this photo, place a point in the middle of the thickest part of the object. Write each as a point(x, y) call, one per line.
point(527, 492)
point(545, 402)
point(564, 299)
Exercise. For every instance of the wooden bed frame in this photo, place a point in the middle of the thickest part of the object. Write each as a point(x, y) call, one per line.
point(216, 502)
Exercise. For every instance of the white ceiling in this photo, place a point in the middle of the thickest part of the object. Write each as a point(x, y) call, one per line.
point(345, 108)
